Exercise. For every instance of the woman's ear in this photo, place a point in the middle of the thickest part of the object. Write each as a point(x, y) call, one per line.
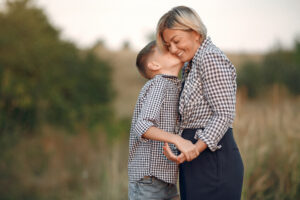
point(197, 36)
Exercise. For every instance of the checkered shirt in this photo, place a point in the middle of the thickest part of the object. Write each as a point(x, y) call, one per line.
point(157, 106)
point(209, 95)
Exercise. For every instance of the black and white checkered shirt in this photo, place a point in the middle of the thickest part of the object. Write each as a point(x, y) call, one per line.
point(157, 105)
point(209, 94)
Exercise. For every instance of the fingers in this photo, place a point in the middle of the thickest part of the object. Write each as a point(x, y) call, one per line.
point(181, 158)
point(166, 145)
point(189, 149)
point(172, 158)
point(187, 154)
point(194, 154)
point(168, 153)
point(191, 154)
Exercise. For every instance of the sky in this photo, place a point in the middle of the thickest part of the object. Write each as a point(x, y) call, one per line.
point(233, 25)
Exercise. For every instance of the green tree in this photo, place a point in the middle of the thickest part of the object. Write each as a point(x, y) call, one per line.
point(44, 79)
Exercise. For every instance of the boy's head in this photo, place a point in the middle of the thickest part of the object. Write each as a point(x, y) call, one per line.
point(151, 61)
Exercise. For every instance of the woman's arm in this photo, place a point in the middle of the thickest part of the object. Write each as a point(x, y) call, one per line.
point(219, 90)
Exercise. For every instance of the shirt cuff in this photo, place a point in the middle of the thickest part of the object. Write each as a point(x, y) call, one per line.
point(141, 127)
point(212, 145)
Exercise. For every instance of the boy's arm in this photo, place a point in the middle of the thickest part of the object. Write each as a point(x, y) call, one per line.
point(150, 109)
point(154, 133)
point(148, 121)
point(186, 147)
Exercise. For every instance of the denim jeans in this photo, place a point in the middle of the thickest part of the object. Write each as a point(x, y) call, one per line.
point(151, 188)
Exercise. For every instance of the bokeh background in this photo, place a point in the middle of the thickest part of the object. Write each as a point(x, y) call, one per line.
point(68, 86)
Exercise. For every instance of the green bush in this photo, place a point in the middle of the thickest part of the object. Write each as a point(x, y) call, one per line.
point(251, 78)
point(279, 67)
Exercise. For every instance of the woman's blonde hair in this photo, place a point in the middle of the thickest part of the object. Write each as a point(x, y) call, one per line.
point(180, 18)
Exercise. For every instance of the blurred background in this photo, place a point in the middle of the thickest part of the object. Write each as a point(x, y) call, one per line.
point(68, 86)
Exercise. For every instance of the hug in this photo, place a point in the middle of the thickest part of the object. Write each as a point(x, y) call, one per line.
point(189, 119)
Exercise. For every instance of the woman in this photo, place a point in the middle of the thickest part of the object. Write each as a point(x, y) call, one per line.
point(206, 108)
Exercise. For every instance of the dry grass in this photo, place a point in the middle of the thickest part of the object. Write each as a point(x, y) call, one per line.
point(55, 165)
point(268, 134)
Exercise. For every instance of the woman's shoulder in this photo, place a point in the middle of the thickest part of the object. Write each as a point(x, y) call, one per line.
point(213, 54)
point(207, 51)
point(212, 50)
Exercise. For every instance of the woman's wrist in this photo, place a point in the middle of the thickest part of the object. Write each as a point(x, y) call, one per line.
point(200, 145)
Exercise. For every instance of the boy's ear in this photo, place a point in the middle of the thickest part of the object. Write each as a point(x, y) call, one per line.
point(154, 66)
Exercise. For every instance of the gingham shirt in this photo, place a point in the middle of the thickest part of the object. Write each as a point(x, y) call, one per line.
point(157, 106)
point(209, 94)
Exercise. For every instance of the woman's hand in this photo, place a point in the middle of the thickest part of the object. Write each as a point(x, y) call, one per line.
point(200, 145)
point(187, 148)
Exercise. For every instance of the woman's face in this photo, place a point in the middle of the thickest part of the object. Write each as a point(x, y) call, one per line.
point(182, 44)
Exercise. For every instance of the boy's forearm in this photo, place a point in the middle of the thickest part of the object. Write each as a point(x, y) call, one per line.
point(157, 134)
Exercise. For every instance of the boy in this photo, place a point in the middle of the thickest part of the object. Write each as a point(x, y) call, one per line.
point(151, 174)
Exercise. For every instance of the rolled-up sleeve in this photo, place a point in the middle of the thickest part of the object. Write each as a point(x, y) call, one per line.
point(218, 79)
point(151, 107)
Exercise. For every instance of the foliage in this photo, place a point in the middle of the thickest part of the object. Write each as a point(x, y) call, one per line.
point(279, 67)
point(250, 77)
point(44, 79)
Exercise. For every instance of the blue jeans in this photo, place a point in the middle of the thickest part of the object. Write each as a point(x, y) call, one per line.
point(151, 188)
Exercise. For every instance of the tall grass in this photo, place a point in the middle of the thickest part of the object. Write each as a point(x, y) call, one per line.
point(268, 134)
point(55, 165)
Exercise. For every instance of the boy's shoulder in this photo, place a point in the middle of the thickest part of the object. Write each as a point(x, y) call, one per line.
point(157, 81)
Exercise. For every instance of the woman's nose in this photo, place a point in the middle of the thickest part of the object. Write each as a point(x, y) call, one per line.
point(172, 49)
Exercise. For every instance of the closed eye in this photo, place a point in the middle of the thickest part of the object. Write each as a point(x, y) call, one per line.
point(167, 45)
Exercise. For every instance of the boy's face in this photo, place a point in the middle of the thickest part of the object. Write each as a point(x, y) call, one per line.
point(166, 59)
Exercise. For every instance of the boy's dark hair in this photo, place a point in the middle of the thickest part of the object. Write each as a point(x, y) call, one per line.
point(142, 58)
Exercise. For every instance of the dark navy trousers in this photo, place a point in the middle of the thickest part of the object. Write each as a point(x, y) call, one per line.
point(212, 175)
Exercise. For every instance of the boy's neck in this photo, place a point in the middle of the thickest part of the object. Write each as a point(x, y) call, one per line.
point(171, 72)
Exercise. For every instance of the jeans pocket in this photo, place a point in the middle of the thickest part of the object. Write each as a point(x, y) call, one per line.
point(148, 180)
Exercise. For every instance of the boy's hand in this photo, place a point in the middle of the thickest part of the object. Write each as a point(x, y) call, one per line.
point(169, 154)
point(181, 158)
point(187, 148)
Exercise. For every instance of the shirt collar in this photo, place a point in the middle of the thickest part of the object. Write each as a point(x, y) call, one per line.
point(207, 42)
point(170, 77)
